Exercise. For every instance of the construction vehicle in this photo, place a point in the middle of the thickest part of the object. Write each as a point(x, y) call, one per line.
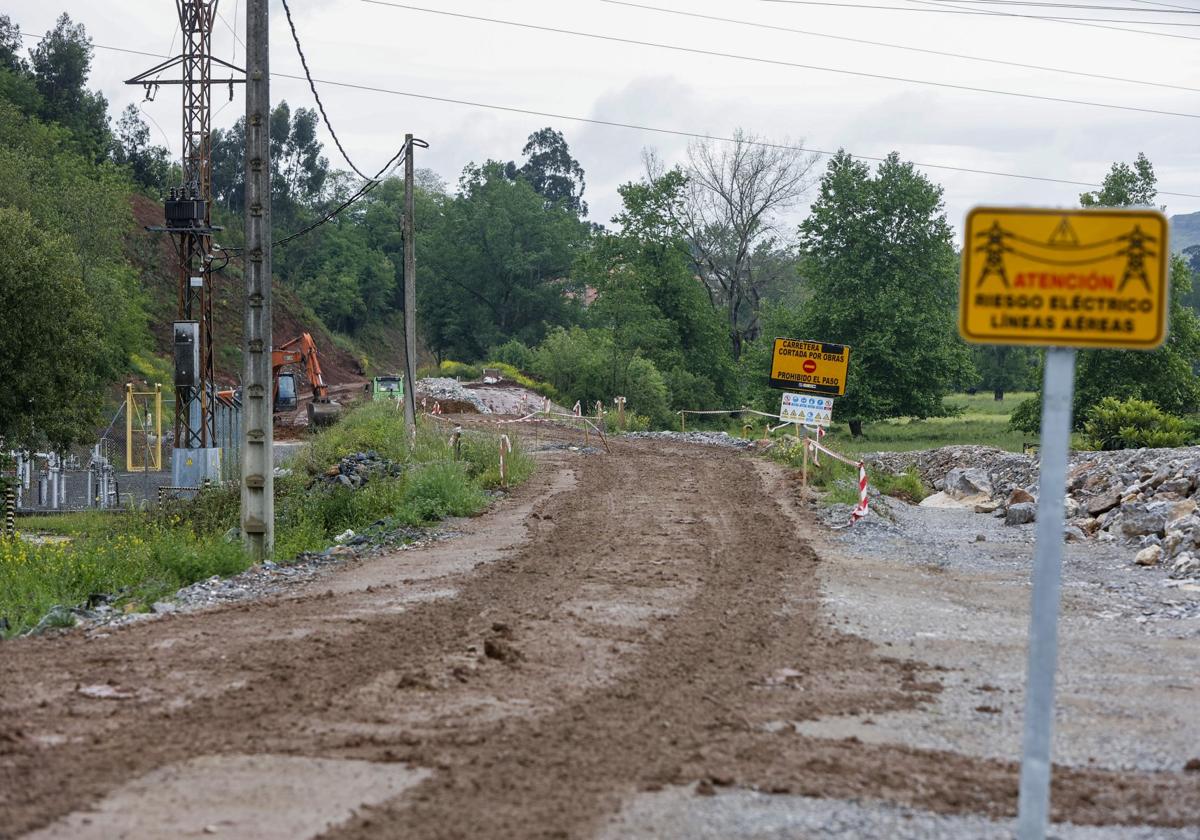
point(383, 388)
point(322, 411)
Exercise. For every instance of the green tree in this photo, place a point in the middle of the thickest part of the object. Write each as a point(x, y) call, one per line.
point(228, 149)
point(52, 382)
point(497, 263)
point(551, 170)
point(651, 303)
point(43, 175)
point(16, 79)
point(1125, 186)
point(884, 281)
point(10, 46)
point(1003, 368)
point(61, 63)
point(150, 165)
point(299, 172)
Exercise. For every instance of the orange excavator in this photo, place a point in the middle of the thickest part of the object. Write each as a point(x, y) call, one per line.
point(322, 411)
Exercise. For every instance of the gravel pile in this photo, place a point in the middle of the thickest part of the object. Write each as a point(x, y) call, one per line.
point(706, 438)
point(1144, 499)
point(1005, 469)
point(355, 470)
point(445, 389)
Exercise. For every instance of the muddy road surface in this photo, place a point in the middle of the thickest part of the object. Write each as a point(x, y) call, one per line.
point(624, 639)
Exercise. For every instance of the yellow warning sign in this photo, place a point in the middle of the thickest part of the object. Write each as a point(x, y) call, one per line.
point(1068, 278)
point(809, 366)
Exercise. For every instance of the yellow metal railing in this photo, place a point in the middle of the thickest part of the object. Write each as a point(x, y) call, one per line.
point(143, 429)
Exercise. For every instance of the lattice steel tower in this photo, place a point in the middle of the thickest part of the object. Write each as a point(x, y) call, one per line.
point(188, 220)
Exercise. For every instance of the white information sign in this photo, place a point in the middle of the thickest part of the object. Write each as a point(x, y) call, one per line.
point(807, 409)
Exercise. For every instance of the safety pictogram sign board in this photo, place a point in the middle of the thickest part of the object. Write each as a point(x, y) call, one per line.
point(1067, 278)
point(808, 409)
point(809, 366)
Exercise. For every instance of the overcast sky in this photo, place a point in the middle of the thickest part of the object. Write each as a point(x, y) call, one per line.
point(434, 55)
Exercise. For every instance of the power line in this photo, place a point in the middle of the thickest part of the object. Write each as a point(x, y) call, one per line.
point(1180, 10)
point(906, 47)
point(976, 12)
point(367, 187)
point(652, 129)
point(1069, 21)
point(1168, 5)
point(941, 4)
point(320, 105)
point(702, 136)
point(780, 63)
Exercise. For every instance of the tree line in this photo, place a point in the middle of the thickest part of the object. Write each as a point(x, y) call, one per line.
point(673, 303)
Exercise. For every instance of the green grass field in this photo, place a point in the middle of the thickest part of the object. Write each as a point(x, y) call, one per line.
point(983, 422)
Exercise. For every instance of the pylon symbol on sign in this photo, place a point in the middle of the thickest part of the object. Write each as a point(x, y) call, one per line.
point(1136, 253)
point(993, 250)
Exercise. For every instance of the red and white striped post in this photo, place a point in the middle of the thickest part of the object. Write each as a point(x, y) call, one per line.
point(860, 510)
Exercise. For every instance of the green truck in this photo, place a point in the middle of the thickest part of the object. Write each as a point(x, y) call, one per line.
point(386, 388)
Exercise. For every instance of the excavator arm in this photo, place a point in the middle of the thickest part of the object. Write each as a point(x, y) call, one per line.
point(303, 350)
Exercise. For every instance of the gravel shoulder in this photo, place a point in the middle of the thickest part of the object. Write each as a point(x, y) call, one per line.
point(951, 588)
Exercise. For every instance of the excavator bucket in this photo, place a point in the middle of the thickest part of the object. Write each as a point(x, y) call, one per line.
point(323, 414)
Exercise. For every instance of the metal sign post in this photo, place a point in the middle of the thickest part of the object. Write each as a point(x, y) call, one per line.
point(1060, 279)
point(1058, 391)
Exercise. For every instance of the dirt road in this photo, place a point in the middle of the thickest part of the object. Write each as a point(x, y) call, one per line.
point(624, 626)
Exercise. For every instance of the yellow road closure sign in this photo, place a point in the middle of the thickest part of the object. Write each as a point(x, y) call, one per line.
point(1067, 278)
point(809, 366)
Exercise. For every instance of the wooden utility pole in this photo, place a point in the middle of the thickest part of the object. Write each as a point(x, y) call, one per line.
point(410, 296)
point(258, 485)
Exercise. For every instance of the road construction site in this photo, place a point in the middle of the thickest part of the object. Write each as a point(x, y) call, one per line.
point(666, 640)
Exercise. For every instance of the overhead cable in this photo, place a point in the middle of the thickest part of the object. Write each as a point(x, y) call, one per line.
point(1177, 10)
point(942, 8)
point(320, 105)
point(780, 63)
point(654, 129)
point(976, 12)
point(926, 51)
point(939, 4)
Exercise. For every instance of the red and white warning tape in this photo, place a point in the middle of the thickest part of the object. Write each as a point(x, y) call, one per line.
point(862, 508)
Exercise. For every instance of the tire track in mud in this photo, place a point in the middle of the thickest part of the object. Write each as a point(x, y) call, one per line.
point(638, 638)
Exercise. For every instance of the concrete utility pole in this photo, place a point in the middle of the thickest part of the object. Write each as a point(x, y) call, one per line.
point(410, 296)
point(258, 485)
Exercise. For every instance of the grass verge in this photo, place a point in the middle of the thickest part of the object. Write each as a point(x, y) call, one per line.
point(840, 481)
point(134, 559)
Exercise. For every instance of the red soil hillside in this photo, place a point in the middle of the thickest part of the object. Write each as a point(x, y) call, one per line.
point(153, 255)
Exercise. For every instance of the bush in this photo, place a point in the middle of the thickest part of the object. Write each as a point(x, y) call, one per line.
point(1131, 424)
point(585, 365)
point(512, 374)
point(514, 353)
point(1027, 416)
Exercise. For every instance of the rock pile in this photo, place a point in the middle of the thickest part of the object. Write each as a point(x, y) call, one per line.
point(446, 390)
point(355, 470)
point(1146, 498)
